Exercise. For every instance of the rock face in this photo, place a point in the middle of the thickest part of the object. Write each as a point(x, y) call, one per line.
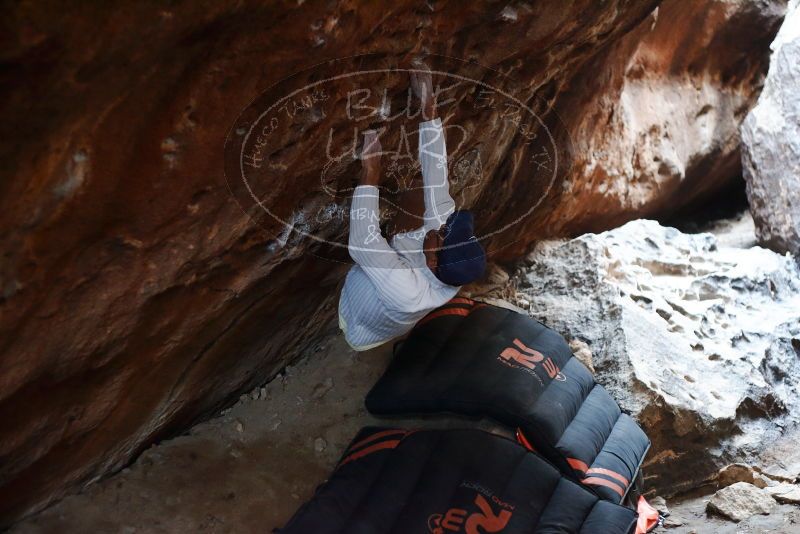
point(771, 144)
point(663, 108)
point(697, 340)
point(741, 501)
point(137, 296)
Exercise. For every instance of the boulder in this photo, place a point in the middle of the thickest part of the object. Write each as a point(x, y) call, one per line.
point(697, 340)
point(741, 501)
point(780, 471)
point(139, 297)
point(733, 473)
point(674, 521)
point(785, 493)
point(662, 109)
point(771, 144)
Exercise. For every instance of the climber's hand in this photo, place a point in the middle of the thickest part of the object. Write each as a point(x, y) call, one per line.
point(371, 158)
point(422, 85)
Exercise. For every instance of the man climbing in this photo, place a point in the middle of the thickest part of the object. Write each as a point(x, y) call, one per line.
point(393, 285)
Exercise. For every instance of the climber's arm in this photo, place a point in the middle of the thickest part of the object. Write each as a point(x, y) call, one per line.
point(367, 245)
point(436, 187)
point(395, 281)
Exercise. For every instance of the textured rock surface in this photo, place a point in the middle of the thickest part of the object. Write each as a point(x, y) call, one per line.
point(741, 501)
point(691, 517)
point(771, 144)
point(663, 107)
point(698, 340)
point(785, 493)
point(741, 473)
point(137, 296)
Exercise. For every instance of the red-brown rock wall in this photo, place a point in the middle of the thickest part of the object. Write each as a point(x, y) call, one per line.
point(137, 296)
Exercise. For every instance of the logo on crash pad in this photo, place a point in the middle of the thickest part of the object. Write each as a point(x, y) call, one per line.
point(486, 519)
point(520, 356)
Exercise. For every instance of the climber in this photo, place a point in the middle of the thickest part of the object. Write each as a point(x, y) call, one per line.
point(393, 285)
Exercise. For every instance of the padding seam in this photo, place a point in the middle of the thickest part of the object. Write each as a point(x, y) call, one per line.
point(423, 469)
point(594, 459)
point(591, 508)
point(532, 407)
point(549, 499)
point(368, 492)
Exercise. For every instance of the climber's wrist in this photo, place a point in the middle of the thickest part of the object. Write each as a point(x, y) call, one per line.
point(429, 110)
point(370, 177)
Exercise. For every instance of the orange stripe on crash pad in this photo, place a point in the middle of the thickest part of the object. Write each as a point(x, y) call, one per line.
point(524, 441)
point(373, 437)
point(577, 465)
point(442, 313)
point(603, 482)
point(391, 444)
point(461, 300)
point(609, 472)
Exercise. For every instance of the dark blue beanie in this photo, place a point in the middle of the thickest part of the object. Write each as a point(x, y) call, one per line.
point(461, 258)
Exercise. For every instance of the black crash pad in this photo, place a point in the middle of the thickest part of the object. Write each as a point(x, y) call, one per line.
point(449, 482)
point(475, 359)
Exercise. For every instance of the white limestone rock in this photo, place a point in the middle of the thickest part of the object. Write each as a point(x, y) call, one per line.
point(699, 341)
point(771, 143)
point(741, 501)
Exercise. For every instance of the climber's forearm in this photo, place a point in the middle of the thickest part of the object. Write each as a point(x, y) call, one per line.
point(429, 110)
point(369, 176)
point(436, 187)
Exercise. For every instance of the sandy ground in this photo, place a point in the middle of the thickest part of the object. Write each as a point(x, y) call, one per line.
point(249, 469)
